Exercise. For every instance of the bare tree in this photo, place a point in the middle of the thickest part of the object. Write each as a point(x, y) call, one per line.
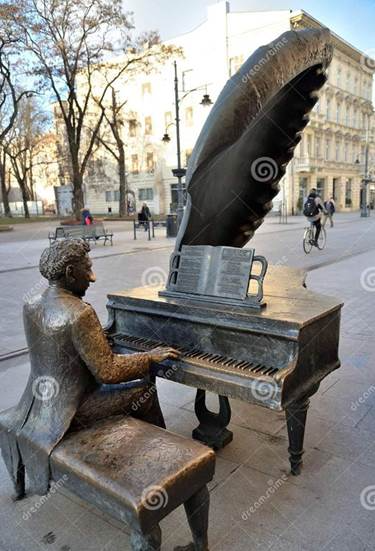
point(20, 147)
point(10, 100)
point(146, 60)
point(113, 115)
point(70, 40)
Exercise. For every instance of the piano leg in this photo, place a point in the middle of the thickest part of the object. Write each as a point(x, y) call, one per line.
point(296, 414)
point(212, 429)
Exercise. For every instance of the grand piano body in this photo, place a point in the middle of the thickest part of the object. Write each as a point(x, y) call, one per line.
point(274, 357)
point(277, 355)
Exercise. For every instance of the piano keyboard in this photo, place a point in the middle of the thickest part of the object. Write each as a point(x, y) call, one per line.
point(197, 357)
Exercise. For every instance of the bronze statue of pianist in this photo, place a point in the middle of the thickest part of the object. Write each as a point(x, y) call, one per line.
point(75, 377)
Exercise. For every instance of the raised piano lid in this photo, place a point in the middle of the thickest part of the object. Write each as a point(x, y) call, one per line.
point(289, 305)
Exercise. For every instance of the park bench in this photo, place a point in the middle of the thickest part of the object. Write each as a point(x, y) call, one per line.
point(93, 232)
point(136, 473)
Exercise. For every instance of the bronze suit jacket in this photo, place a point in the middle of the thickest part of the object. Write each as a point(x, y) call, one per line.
point(69, 356)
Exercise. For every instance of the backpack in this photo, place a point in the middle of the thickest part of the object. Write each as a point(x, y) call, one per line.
point(310, 208)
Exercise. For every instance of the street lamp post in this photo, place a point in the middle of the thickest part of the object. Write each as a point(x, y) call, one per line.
point(365, 181)
point(180, 171)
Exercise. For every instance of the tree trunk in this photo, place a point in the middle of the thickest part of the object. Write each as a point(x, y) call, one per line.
point(123, 207)
point(4, 190)
point(25, 198)
point(78, 202)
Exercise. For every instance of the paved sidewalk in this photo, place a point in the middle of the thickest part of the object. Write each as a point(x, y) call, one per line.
point(255, 504)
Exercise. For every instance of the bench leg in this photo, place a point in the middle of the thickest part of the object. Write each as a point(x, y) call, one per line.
point(197, 508)
point(146, 542)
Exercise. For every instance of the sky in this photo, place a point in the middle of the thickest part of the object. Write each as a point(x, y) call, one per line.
point(353, 20)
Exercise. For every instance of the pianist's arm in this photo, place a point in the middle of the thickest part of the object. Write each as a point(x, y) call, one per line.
point(92, 346)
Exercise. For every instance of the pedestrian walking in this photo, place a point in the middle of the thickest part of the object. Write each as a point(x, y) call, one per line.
point(145, 216)
point(330, 208)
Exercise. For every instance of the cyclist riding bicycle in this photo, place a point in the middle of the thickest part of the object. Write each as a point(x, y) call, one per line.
point(313, 210)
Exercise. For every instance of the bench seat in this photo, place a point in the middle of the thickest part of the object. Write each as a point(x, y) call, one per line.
point(137, 473)
point(117, 463)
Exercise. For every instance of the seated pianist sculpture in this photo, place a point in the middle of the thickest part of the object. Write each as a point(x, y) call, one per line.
point(75, 377)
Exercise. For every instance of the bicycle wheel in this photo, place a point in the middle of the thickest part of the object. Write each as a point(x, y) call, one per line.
point(307, 238)
point(322, 239)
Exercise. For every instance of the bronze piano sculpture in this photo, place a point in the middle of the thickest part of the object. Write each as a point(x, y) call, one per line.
point(273, 352)
point(275, 355)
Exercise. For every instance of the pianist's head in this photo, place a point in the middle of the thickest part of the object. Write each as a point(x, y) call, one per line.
point(67, 264)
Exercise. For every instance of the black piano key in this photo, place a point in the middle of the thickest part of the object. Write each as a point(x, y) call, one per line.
point(259, 368)
point(213, 358)
point(203, 356)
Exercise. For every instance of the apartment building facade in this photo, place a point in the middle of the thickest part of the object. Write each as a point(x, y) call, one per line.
point(331, 155)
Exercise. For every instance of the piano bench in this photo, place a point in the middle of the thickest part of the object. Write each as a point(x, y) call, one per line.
point(137, 473)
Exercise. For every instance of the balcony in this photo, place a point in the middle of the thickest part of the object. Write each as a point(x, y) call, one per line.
point(307, 164)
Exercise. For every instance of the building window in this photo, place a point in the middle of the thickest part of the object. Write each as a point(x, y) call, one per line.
point(346, 152)
point(309, 145)
point(328, 109)
point(174, 196)
point(150, 163)
point(355, 118)
point(188, 153)
point(187, 79)
point(167, 118)
point(328, 150)
point(337, 150)
point(338, 77)
point(338, 113)
point(189, 116)
point(108, 196)
point(146, 194)
point(148, 126)
point(235, 64)
point(117, 195)
point(348, 193)
point(146, 88)
point(320, 187)
point(132, 128)
point(135, 164)
point(318, 146)
point(347, 116)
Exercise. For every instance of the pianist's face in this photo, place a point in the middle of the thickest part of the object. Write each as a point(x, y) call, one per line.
point(79, 276)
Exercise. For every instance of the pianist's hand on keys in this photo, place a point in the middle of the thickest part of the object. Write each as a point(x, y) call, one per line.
point(163, 353)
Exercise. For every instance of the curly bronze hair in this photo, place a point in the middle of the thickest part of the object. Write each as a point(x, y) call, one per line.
point(59, 255)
